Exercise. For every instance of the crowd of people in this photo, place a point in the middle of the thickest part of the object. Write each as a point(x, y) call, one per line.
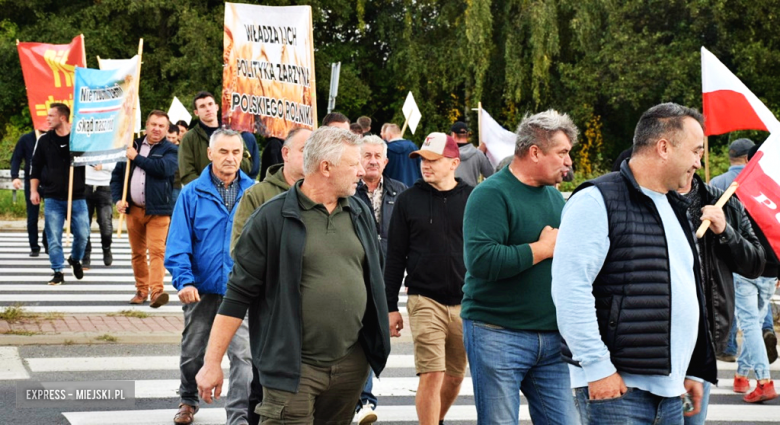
point(297, 277)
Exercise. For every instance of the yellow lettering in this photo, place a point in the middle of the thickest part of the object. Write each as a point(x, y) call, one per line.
point(56, 61)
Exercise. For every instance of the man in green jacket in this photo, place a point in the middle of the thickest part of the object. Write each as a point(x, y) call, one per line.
point(193, 150)
point(279, 179)
point(322, 319)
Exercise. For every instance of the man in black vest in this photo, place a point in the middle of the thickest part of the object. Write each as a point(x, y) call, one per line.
point(626, 281)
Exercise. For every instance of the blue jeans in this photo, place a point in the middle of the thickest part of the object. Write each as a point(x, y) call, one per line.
point(198, 318)
point(769, 320)
point(32, 218)
point(732, 348)
point(503, 362)
point(752, 300)
point(367, 396)
point(55, 212)
point(701, 417)
point(635, 407)
point(174, 196)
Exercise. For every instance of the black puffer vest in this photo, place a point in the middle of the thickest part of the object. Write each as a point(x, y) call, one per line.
point(633, 288)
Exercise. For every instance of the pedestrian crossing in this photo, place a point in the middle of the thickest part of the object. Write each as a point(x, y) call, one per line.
point(155, 371)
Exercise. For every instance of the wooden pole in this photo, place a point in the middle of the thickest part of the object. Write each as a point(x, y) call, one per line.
point(479, 122)
point(313, 87)
point(706, 160)
point(705, 224)
point(129, 162)
point(70, 204)
point(403, 130)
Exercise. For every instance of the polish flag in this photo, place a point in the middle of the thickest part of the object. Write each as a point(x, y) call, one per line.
point(759, 189)
point(728, 104)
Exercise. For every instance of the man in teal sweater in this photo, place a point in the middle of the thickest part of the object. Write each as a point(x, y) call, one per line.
point(509, 324)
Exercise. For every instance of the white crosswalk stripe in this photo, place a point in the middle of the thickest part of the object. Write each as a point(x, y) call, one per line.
point(107, 289)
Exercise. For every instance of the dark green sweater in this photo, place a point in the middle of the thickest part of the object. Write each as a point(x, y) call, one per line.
point(503, 287)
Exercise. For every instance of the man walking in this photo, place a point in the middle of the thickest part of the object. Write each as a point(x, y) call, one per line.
point(98, 196)
point(511, 336)
point(473, 162)
point(309, 261)
point(24, 152)
point(148, 207)
point(426, 241)
point(197, 255)
point(380, 195)
point(400, 166)
point(52, 152)
point(193, 156)
point(626, 281)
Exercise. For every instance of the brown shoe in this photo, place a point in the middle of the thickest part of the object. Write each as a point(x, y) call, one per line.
point(138, 298)
point(185, 414)
point(159, 300)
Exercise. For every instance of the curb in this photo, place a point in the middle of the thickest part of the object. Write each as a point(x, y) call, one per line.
point(89, 338)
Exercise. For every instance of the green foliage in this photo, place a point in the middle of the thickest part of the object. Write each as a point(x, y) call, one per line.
point(10, 210)
point(591, 58)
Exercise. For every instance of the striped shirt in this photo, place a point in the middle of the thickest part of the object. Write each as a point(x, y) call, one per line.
point(228, 193)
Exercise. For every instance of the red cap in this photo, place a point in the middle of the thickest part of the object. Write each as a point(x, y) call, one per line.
point(437, 145)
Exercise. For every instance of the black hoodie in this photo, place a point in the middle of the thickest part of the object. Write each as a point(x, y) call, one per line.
point(425, 238)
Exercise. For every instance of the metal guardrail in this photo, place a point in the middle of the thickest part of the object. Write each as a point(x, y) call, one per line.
point(6, 183)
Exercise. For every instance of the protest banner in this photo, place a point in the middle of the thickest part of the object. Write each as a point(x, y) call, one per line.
point(104, 113)
point(268, 74)
point(106, 64)
point(499, 141)
point(48, 75)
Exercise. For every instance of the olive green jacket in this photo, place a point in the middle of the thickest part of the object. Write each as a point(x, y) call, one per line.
point(273, 184)
point(194, 157)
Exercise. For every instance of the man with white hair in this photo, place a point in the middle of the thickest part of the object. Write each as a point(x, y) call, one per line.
point(509, 233)
point(380, 194)
point(310, 259)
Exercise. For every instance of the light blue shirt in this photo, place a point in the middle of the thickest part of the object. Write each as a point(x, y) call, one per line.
point(580, 252)
point(724, 180)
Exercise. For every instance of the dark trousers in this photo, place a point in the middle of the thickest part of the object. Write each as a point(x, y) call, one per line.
point(255, 397)
point(32, 218)
point(99, 203)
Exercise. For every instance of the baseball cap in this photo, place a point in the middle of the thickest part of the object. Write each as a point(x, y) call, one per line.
point(459, 128)
point(740, 147)
point(437, 145)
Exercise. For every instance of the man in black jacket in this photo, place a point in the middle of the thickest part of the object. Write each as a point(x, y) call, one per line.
point(426, 240)
point(731, 247)
point(23, 152)
point(153, 163)
point(627, 281)
point(308, 266)
point(53, 153)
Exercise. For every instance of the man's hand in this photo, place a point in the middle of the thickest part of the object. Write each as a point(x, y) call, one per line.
point(121, 207)
point(696, 390)
point(610, 387)
point(131, 153)
point(35, 198)
point(716, 217)
point(98, 167)
point(544, 247)
point(209, 378)
point(17, 184)
point(189, 294)
point(396, 323)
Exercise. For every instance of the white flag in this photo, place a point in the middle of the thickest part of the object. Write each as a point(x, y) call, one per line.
point(117, 64)
point(411, 112)
point(177, 112)
point(500, 142)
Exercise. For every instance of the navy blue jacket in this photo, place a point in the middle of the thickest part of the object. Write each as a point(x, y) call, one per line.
point(254, 152)
point(198, 248)
point(23, 152)
point(160, 166)
point(400, 167)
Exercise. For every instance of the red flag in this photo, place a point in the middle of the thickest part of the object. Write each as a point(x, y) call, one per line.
point(48, 75)
point(759, 189)
point(728, 104)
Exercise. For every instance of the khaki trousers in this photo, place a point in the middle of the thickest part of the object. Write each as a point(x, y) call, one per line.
point(147, 235)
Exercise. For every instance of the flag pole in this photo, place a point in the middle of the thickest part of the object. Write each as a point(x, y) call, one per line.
point(479, 122)
point(705, 224)
point(128, 164)
point(403, 130)
point(706, 160)
point(313, 87)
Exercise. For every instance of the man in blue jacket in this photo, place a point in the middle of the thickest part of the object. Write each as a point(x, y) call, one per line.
point(198, 257)
point(153, 162)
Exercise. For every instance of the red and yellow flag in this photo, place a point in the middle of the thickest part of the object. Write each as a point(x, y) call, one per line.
point(48, 75)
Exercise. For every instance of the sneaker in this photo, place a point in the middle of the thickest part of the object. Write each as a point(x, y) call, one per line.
point(78, 271)
point(58, 279)
point(731, 358)
point(138, 298)
point(741, 384)
point(35, 252)
point(366, 415)
point(763, 392)
point(770, 340)
point(108, 259)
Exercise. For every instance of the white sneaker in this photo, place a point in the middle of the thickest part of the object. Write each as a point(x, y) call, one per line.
point(366, 415)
